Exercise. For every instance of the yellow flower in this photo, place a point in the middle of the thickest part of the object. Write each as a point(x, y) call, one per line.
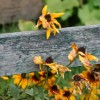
point(33, 79)
point(50, 80)
point(21, 80)
point(48, 21)
point(54, 90)
point(57, 67)
point(47, 78)
point(84, 57)
point(67, 94)
point(79, 83)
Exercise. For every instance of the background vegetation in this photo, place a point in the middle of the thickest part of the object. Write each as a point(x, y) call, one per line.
point(77, 13)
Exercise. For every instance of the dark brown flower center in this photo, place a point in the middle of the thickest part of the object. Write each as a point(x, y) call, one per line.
point(23, 75)
point(34, 77)
point(54, 87)
point(91, 76)
point(81, 49)
point(77, 78)
point(66, 94)
point(48, 17)
point(49, 60)
point(96, 69)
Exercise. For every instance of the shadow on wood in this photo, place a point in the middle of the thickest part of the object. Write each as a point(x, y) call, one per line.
point(18, 49)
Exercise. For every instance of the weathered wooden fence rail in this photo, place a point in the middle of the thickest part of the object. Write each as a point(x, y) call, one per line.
point(18, 49)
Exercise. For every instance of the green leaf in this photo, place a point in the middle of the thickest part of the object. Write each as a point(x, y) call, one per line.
point(14, 90)
point(88, 16)
point(67, 14)
point(29, 91)
point(61, 6)
point(37, 98)
point(26, 25)
point(94, 3)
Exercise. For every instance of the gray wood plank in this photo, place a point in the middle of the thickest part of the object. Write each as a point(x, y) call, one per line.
point(18, 49)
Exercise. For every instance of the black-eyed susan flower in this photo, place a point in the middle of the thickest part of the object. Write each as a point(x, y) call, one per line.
point(55, 66)
point(92, 77)
point(47, 78)
point(51, 79)
point(84, 57)
point(21, 80)
point(67, 94)
point(33, 79)
point(48, 21)
point(54, 90)
point(79, 83)
point(96, 71)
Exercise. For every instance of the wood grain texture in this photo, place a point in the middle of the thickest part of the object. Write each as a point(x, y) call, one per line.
point(13, 10)
point(18, 49)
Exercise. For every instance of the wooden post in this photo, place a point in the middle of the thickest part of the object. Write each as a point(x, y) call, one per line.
point(13, 10)
point(18, 49)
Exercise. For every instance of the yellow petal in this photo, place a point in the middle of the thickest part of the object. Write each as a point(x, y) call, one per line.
point(56, 15)
point(55, 29)
point(17, 81)
point(44, 10)
point(5, 77)
point(24, 83)
point(17, 76)
point(91, 97)
point(72, 97)
point(91, 57)
point(48, 33)
point(57, 23)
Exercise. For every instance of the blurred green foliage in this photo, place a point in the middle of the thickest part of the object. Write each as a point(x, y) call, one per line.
point(77, 12)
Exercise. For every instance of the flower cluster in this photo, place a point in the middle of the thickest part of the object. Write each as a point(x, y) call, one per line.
point(88, 80)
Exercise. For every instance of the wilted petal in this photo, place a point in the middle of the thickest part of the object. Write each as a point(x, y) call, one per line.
point(55, 29)
point(62, 69)
point(38, 60)
point(85, 62)
point(74, 46)
point(91, 57)
point(72, 55)
point(38, 23)
point(48, 33)
point(57, 23)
